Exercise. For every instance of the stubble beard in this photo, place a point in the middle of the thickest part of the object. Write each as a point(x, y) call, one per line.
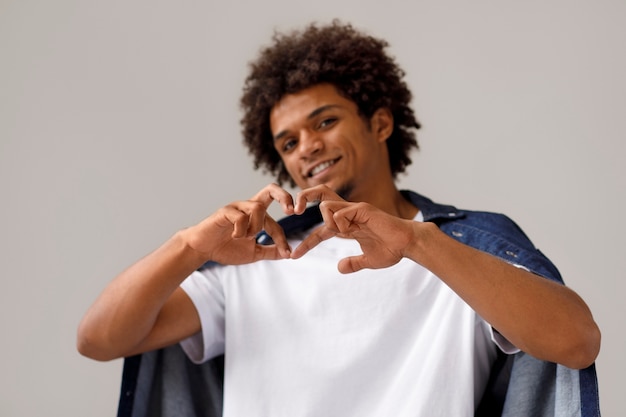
point(345, 191)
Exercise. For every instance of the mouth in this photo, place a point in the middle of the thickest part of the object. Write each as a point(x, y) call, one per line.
point(321, 167)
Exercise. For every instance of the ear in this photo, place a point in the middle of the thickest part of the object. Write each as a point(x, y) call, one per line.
point(382, 123)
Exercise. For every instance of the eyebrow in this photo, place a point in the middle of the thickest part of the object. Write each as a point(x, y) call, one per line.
point(311, 115)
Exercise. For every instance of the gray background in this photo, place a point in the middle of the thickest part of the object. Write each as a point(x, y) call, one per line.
point(119, 126)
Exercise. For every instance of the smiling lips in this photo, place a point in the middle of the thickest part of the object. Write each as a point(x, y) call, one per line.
point(321, 167)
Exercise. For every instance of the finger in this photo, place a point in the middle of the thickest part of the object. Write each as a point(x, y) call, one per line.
point(268, 253)
point(273, 192)
point(257, 217)
point(312, 240)
point(328, 215)
point(352, 264)
point(239, 220)
point(349, 219)
point(314, 194)
point(247, 218)
point(346, 217)
point(277, 234)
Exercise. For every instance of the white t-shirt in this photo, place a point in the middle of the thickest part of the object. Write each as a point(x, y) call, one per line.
point(301, 339)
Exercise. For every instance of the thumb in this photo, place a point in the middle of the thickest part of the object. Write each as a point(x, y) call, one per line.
point(352, 264)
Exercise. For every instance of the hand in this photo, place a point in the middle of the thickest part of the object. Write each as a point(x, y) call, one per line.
point(383, 238)
point(229, 235)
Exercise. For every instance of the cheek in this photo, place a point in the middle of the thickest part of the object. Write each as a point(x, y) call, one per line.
point(290, 167)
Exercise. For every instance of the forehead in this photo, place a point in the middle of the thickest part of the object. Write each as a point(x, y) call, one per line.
point(297, 107)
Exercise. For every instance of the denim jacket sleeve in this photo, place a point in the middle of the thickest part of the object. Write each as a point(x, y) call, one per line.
point(165, 383)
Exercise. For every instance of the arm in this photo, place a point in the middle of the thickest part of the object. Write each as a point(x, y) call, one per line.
point(539, 316)
point(514, 301)
point(144, 308)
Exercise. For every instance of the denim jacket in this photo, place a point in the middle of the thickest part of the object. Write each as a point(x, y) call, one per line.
point(165, 383)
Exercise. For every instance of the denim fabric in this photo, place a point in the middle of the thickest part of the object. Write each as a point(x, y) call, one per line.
point(165, 383)
point(169, 384)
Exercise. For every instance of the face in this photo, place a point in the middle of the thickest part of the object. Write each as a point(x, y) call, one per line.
point(322, 139)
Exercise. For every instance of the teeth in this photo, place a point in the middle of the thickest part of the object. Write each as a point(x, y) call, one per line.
point(320, 168)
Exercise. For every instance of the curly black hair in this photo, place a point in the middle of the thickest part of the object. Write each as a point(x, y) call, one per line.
point(355, 63)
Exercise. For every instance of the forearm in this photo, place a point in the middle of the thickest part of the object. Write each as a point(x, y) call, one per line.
point(541, 317)
point(144, 307)
point(124, 315)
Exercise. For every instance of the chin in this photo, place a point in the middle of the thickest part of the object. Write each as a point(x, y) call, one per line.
point(342, 190)
point(345, 191)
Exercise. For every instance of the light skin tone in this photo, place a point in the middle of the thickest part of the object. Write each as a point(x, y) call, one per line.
point(329, 150)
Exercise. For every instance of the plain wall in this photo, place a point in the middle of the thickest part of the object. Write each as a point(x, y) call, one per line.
point(119, 124)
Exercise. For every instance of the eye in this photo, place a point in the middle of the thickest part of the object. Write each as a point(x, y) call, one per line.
point(329, 121)
point(288, 144)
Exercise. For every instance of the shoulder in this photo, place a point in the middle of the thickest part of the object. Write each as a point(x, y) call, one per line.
point(490, 232)
point(488, 224)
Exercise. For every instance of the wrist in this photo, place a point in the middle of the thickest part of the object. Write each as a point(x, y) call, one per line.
point(191, 245)
point(422, 234)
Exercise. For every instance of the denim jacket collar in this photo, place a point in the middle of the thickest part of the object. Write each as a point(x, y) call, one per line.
point(430, 210)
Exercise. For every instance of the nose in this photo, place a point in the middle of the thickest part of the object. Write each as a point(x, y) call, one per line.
point(310, 144)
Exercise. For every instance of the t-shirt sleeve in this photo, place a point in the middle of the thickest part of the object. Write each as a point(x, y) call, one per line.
point(206, 293)
point(489, 333)
point(502, 342)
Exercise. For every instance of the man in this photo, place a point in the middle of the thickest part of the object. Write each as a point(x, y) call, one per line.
point(382, 302)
